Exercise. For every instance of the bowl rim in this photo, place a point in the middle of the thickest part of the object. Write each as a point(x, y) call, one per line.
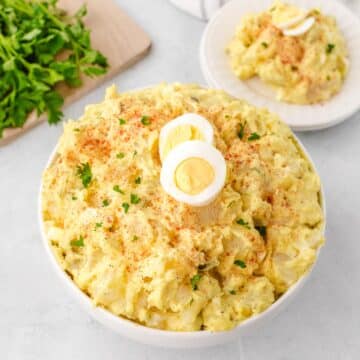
point(172, 334)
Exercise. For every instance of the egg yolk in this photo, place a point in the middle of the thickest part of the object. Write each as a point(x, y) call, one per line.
point(193, 175)
point(179, 135)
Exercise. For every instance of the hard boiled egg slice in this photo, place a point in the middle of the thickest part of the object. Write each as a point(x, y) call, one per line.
point(300, 29)
point(184, 128)
point(286, 15)
point(193, 173)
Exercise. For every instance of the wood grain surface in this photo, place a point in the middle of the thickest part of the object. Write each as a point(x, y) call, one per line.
point(113, 33)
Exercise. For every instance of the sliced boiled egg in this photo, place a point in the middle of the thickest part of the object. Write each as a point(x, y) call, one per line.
point(184, 128)
point(286, 15)
point(193, 173)
point(300, 29)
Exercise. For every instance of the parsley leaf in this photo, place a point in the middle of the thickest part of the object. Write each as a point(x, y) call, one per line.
point(145, 120)
point(232, 292)
point(138, 180)
point(117, 189)
point(105, 203)
point(195, 281)
point(134, 199)
point(120, 155)
point(122, 121)
point(98, 225)
point(78, 243)
point(265, 44)
point(240, 133)
point(126, 207)
point(254, 136)
point(243, 223)
point(33, 34)
point(240, 263)
point(84, 172)
point(330, 48)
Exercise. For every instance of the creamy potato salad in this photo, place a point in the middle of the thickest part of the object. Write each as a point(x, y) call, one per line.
point(143, 255)
point(300, 53)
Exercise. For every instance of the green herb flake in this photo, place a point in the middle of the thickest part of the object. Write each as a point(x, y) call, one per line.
point(135, 153)
point(195, 281)
point(76, 130)
point(78, 243)
point(138, 180)
point(202, 266)
point(122, 121)
point(254, 136)
point(98, 225)
point(126, 207)
point(74, 198)
point(265, 44)
point(240, 263)
point(261, 230)
point(117, 189)
point(145, 120)
point(231, 204)
point(120, 155)
point(84, 172)
point(232, 292)
point(135, 238)
point(328, 78)
point(243, 223)
point(105, 203)
point(241, 130)
point(134, 199)
point(330, 48)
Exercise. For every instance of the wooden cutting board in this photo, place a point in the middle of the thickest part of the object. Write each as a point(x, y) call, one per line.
point(113, 33)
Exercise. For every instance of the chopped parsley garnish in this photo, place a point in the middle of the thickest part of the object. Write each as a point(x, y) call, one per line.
point(84, 172)
point(105, 202)
point(240, 133)
point(194, 98)
point(264, 44)
point(254, 136)
point(78, 243)
point(328, 78)
point(330, 48)
point(117, 189)
point(120, 155)
point(232, 292)
point(98, 225)
point(243, 223)
point(261, 230)
point(231, 204)
point(76, 129)
point(73, 198)
point(134, 199)
point(138, 180)
point(135, 238)
point(134, 153)
point(195, 281)
point(122, 121)
point(202, 266)
point(125, 207)
point(240, 263)
point(145, 120)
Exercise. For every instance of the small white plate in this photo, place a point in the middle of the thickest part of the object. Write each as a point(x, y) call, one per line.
point(218, 73)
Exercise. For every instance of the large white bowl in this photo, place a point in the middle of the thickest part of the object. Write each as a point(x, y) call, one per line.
point(164, 338)
point(216, 68)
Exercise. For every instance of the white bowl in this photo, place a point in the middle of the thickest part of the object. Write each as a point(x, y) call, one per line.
point(172, 339)
point(218, 73)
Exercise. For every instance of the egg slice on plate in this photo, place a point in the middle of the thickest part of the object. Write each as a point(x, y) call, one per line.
point(193, 173)
point(300, 29)
point(184, 128)
point(286, 15)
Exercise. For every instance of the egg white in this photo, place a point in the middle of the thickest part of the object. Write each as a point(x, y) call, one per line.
point(191, 149)
point(295, 20)
point(301, 29)
point(192, 119)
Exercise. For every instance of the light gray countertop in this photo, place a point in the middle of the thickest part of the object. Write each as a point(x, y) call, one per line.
point(40, 320)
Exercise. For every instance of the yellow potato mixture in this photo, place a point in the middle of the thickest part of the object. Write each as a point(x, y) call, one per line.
point(305, 69)
point(142, 255)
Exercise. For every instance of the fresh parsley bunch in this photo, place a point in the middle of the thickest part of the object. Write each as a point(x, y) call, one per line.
point(40, 46)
